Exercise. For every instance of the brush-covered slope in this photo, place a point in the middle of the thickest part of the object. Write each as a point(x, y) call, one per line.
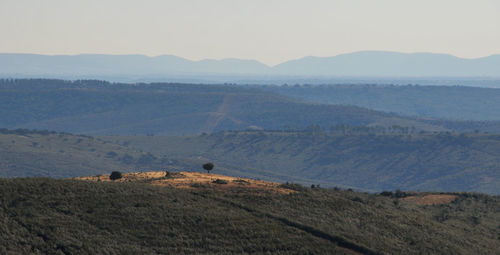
point(40, 153)
point(439, 162)
point(444, 102)
point(46, 216)
point(28, 153)
point(94, 107)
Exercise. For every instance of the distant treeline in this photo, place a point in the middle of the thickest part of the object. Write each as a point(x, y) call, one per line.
point(343, 129)
point(49, 83)
point(24, 131)
point(41, 84)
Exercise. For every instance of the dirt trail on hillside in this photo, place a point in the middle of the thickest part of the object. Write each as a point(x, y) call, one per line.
point(214, 118)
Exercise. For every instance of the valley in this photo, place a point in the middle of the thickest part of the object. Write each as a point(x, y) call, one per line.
point(370, 162)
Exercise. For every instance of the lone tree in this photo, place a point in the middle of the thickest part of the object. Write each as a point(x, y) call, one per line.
point(115, 175)
point(208, 166)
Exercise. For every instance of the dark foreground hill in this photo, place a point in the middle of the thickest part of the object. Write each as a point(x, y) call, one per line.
point(438, 162)
point(47, 216)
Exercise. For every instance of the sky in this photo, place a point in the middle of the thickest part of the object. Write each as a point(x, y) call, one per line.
point(270, 31)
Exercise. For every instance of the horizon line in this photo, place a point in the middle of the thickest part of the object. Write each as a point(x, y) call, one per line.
point(245, 59)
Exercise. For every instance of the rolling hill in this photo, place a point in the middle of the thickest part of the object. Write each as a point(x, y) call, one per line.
point(40, 153)
point(98, 108)
point(32, 153)
point(47, 216)
point(370, 162)
point(441, 102)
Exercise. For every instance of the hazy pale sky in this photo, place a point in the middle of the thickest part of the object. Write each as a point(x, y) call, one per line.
point(271, 31)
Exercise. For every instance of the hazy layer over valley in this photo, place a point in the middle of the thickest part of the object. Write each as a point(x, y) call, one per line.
point(249, 127)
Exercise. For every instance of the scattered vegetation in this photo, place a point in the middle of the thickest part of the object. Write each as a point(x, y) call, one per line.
point(40, 153)
point(241, 181)
point(293, 186)
point(98, 108)
point(47, 216)
point(475, 103)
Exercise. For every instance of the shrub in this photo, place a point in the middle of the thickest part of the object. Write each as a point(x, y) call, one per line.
point(219, 181)
point(386, 193)
point(241, 181)
point(293, 186)
point(115, 175)
point(399, 194)
point(357, 199)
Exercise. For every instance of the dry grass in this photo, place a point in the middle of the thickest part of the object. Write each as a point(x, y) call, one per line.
point(432, 199)
point(193, 180)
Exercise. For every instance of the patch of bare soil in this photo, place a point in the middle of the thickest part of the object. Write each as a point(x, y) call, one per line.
point(431, 199)
point(193, 180)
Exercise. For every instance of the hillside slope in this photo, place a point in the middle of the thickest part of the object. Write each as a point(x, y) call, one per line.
point(438, 162)
point(43, 216)
point(96, 107)
point(29, 153)
point(443, 102)
point(38, 153)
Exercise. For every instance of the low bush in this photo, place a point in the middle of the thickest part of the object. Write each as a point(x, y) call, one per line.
point(219, 181)
point(115, 175)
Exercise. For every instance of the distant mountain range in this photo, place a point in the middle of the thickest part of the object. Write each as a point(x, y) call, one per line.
point(365, 63)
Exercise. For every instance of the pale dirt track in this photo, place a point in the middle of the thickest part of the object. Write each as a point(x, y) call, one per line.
point(432, 199)
point(192, 180)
